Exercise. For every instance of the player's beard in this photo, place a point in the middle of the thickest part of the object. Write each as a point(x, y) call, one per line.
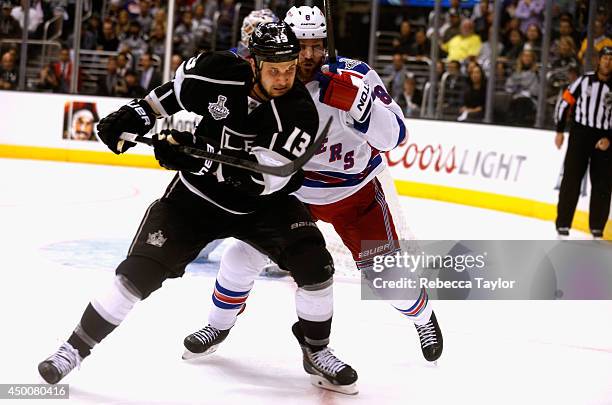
point(307, 70)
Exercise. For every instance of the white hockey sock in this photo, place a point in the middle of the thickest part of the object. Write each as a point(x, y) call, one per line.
point(418, 311)
point(227, 303)
point(115, 302)
point(315, 302)
point(240, 265)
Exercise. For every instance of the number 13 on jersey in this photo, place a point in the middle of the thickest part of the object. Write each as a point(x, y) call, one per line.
point(298, 148)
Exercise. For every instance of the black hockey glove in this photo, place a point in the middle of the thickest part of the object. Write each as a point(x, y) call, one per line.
point(168, 155)
point(136, 117)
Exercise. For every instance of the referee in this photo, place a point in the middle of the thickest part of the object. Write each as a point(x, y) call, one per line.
point(589, 101)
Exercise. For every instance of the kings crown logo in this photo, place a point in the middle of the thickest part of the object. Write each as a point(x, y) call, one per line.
point(156, 239)
point(218, 110)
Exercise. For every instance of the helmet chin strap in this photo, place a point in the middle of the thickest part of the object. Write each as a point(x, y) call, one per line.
point(258, 84)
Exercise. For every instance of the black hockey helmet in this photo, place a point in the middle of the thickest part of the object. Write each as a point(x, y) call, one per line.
point(273, 42)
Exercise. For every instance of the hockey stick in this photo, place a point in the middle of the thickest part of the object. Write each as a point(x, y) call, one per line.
point(331, 45)
point(285, 170)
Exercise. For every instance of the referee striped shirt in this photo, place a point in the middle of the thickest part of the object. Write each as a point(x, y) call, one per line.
point(591, 100)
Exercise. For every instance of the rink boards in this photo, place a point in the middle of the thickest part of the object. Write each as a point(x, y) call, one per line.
point(510, 169)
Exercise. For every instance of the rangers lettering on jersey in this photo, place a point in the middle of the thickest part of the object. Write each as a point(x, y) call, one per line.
point(350, 156)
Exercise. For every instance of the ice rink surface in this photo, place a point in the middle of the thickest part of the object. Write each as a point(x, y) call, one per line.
point(64, 227)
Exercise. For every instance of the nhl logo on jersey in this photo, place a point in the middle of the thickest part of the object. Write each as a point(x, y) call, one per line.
point(349, 63)
point(156, 239)
point(218, 110)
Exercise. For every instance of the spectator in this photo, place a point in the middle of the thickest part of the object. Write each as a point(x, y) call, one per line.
point(48, 80)
point(421, 48)
point(397, 73)
point(501, 75)
point(453, 27)
point(454, 5)
point(157, 40)
point(134, 42)
point(455, 79)
point(160, 18)
point(480, 16)
point(8, 72)
point(63, 71)
point(481, 9)
point(403, 44)
point(211, 7)
point(474, 96)
point(123, 24)
point(484, 57)
point(175, 62)
point(94, 25)
point(440, 68)
point(566, 29)
point(107, 84)
point(88, 39)
point(145, 17)
point(184, 35)
point(510, 8)
point(463, 45)
point(566, 54)
point(202, 24)
point(108, 41)
point(410, 98)
point(225, 24)
point(523, 86)
point(533, 38)
point(600, 40)
point(530, 12)
point(35, 16)
point(150, 78)
point(9, 26)
point(114, 7)
point(130, 87)
point(123, 64)
point(513, 24)
point(514, 48)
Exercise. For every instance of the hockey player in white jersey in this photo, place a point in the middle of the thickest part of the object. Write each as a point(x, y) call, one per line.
point(340, 185)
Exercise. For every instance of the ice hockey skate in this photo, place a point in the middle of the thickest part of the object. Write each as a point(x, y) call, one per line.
point(430, 336)
point(59, 364)
point(325, 369)
point(203, 342)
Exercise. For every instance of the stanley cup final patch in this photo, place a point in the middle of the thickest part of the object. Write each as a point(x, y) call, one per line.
point(156, 239)
point(349, 63)
point(218, 110)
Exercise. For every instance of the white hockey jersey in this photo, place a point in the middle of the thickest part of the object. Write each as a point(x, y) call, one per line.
point(350, 157)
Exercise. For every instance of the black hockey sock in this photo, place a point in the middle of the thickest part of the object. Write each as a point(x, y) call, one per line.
point(90, 331)
point(316, 334)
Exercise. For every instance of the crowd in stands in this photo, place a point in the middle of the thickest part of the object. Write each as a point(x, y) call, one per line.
point(133, 34)
point(464, 37)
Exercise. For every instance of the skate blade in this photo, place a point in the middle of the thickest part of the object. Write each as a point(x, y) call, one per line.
point(189, 355)
point(321, 382)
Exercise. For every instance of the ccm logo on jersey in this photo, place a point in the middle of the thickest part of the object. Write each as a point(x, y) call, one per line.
point(140, 111)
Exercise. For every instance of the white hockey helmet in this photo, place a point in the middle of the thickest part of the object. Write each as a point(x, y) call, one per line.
point(307, 22)
point(251, 22)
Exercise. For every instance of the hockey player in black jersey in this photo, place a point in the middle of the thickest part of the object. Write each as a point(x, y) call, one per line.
point(252, 109)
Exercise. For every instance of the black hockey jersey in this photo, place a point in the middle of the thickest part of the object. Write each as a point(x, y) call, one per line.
point(216, 86)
